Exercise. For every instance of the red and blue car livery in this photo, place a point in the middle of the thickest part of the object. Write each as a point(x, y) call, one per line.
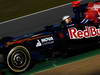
point(53, 41)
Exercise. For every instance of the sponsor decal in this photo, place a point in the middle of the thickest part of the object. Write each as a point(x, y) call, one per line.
point(87, 33)
point(38, 43)
point(45, 41)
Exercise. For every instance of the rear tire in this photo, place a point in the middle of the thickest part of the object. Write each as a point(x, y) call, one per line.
point(18, 59)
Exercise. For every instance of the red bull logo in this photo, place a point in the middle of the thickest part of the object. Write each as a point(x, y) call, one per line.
point(87, 33)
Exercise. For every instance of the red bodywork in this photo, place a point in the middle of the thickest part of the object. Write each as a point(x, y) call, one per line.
point(76, 3)
point(93, 12)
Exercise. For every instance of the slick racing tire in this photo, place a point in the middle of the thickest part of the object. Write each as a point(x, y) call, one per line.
point(18, 59)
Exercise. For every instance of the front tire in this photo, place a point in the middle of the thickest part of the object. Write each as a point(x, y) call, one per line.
point(18, 59)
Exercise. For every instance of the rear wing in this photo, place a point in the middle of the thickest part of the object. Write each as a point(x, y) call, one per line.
point(94, 6)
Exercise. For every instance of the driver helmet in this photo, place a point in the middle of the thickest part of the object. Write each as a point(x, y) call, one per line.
point(65, 17)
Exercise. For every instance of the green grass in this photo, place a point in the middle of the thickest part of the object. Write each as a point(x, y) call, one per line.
point(10, 9)
point(56, 62)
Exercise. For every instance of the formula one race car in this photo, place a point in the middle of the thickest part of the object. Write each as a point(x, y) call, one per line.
point(53, 41)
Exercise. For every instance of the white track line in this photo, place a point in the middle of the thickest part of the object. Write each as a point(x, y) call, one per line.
point(35, 13)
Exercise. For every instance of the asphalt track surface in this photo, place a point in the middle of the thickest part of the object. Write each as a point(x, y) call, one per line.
point(34, 22)
point(89, 66)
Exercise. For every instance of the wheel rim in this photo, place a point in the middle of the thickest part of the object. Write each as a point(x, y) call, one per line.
point(18, 59)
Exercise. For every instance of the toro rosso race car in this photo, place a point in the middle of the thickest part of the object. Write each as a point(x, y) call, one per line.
point(53, 41)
